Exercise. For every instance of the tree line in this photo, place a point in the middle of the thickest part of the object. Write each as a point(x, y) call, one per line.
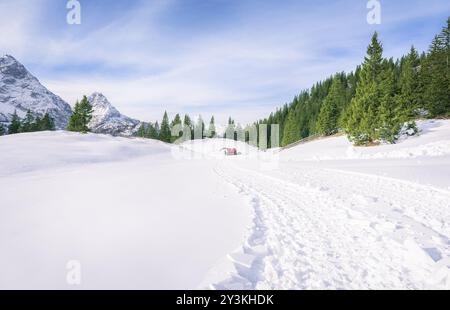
point(376, 101)
point(29, 123)
point(178, 130)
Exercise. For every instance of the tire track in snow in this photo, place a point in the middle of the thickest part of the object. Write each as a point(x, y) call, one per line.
point(309, 233)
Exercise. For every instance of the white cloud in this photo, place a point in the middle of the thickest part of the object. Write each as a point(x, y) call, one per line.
point(260, 60)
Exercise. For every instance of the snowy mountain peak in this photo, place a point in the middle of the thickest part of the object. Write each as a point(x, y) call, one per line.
point(10, 66)
point(20, 91)
point(107, 119)
point(7, 59)
point(102, 107)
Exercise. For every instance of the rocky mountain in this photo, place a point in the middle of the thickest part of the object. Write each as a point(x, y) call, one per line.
point(106, 119)
point(21, 91)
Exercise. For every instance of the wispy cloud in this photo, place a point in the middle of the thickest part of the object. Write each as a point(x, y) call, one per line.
point(240, 58)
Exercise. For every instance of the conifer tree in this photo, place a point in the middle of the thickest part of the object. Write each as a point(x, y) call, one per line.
point(151, 132)
point(361, 125)
point(187, 124)
point(328, 121)
point(389, 118)
point(81, 116)
point(291, 130)
point(212, 128)
point(157, 130)
point(46, 123)
point(199, 130)
point(176, 123)
point(28, 124)
point(15, 125)
point(141, 131)
point(2, 129)
point(165, 133)
point(435, 78)
point(230, 132)
point(410, 98)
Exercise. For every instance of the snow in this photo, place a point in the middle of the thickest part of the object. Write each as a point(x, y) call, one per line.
point(432, 141)
point(21, 91)
point(142, 214)
point(107, 119)
point(131, 214)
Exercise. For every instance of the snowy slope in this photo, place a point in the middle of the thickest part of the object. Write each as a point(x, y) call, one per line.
point(142, 214)
point(20, 91)
point(434, 140)
point(325, 220)
point(133, 216)
point(107, 119)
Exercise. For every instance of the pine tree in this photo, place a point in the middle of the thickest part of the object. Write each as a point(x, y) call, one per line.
point(230, 132)
point(141, 131)
point(389, 115)
point(28, 124)
point(410, 98)
point(157, 130)
point(187, 124)
point(2, 129)
point(361, 125)
point(15, 125)
point(212, 128)
point(81, 116)
point(328, 121)
point(291, 130)
point(46, 123)
point(151, 132)
point(176, 123)
point(74, 120)
point(199, 130)
point(165, 133)
point(436, 81)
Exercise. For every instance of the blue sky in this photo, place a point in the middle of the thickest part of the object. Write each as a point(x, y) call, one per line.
point(224, 57)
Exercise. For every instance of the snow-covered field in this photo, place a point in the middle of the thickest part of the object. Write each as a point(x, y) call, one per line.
point(141, 214)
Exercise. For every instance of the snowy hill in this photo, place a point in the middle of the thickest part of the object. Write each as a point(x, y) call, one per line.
point(21, 91)
point(433, 140)
point(107, 119)
point(144, 214)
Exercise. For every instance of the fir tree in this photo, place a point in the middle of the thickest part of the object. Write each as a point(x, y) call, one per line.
point(2, 129)
point(199, 130)
point(212, 128)
point(291, 130)
point(15, 125)
point(151, 132)
point(230, 132)
point(28, 124)
point(361, 125)
point(141, 131)
point(435, 78)
point(410, 98)
point(157, 130)
point(187, 124)
point(81, 116)
point(389, 119)
point(176, 123)
point(46, 123)
point(328, 121)
point(165, 133)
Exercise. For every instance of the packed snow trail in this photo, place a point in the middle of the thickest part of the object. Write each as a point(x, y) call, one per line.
point(320, 228)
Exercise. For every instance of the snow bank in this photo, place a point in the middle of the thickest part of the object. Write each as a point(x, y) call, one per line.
point(434, 140)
